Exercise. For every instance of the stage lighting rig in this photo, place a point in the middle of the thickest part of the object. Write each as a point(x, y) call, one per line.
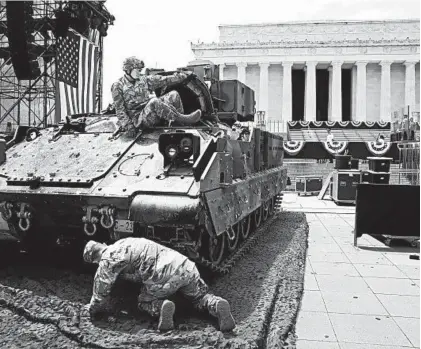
point(82, 15)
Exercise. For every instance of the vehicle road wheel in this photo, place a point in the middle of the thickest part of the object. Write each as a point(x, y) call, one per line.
point(216, 248)
point(257, 215)
point(245, 227)
point(233, 236)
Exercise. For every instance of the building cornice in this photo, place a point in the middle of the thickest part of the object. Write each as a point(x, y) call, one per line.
point(340, 21)
point(394, 39)
point(304, 43)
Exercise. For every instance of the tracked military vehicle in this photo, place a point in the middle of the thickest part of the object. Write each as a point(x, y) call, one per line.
point(201, 189)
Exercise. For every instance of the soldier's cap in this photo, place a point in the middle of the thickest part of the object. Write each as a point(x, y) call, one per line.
point(132, 63)
point(91, 248)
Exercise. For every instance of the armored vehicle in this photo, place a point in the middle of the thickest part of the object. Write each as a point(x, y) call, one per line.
point(201, 189)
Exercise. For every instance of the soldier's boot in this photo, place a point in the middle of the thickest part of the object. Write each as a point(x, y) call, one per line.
point(225, 319)
point(166, 316)
point(170, 113)
point(220, 308)
point(189, 119)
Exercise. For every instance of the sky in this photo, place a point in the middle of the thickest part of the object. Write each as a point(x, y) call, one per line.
point(160, 32)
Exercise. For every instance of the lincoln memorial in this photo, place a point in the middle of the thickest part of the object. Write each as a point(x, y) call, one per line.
point(323, 70)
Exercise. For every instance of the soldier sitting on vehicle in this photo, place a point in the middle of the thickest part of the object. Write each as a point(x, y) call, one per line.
point(161, 271)
point(135, 107)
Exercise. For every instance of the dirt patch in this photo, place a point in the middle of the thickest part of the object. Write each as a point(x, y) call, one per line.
point(43, 307)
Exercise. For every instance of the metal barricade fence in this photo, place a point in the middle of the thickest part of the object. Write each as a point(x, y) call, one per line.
point(409, 163)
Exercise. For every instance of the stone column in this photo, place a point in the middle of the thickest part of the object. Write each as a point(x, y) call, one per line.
point(264, 88)
point(361, 110)
point(287, 93)
point(241, 74)
point(221, 71)
point(329, 106)
point(353, 92)
point(310, 92)
point(385, 95)
point(410, 84)
point(336, 91)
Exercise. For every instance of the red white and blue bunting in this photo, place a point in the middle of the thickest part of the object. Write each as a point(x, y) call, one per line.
point(293, 147)
point(335, 147)
point(381, 125)
point(370, 123)
point(344, 123)
point(378, 148)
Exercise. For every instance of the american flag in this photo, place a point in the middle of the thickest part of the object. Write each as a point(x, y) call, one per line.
point(77, 64)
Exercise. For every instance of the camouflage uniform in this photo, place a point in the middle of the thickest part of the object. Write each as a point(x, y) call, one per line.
point(135, 108)
point(161, 270)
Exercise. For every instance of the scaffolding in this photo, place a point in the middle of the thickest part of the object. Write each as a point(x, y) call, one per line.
point(32, 102)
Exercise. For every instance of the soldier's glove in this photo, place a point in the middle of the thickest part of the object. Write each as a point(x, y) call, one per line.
point(132, 132)
point(181, 75)
point(129, 130)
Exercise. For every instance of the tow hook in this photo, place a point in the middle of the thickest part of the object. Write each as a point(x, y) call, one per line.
point(95, 215)
point(107, 217)
point(24, 216)
point(7, 211)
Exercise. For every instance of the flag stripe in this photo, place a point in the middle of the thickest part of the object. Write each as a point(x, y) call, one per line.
point(86, 74)
point(95, 77)
point(89, 79)
point(82, 77)
point(65, 101)
point(73, 101)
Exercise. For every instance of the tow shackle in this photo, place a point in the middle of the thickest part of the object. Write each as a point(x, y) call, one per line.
point(107, 217)
point(24, 218)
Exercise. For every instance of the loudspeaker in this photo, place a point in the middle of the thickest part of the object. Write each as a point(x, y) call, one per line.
point(62, 23)
point(19, 28)
point(375, 177)
point(379, 164)
point(342, 162)
point(344, 185)
point(355, 164)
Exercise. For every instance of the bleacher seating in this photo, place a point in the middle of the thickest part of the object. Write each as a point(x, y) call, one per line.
point(348, 135)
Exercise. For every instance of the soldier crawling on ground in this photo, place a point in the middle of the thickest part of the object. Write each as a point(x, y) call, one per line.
point(161, 271)
point(134, 106)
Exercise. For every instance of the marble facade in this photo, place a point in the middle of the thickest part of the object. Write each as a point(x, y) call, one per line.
point(382, 59)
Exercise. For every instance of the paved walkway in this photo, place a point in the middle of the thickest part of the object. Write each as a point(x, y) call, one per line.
point(364, 297)
point(310, 204)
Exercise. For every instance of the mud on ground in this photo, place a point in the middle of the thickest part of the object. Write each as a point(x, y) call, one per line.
point(43, 307)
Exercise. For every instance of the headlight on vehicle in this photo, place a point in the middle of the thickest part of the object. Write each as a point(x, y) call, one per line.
point(171, 151)
point(179, 146)
point(186, 145)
